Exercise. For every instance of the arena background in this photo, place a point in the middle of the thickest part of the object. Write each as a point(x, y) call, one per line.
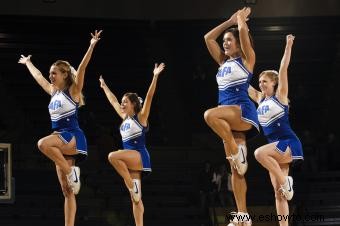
point(136, 35)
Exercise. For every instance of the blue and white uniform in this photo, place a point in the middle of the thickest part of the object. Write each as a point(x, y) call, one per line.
point(233, 82)
point(273, 117)
point(133, 136)
point(63, 111)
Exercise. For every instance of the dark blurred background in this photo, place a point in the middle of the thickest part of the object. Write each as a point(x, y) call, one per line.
point(136, 35)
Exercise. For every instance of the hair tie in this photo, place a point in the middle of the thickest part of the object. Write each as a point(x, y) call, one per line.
point(73, 71)
point(140, 100)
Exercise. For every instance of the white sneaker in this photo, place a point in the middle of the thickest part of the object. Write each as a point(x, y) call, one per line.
point(73, 179)
point(135, 191)
point(287, 189)
point(240, 160)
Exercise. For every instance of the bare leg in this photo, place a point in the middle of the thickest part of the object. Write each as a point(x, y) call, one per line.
point(138, 212)
point(52, 147)
point(123, 171)
point(222, 120)
point(122, 161)
point(223, 130)
point(138, 208)
point(70, 205)
point(271, 159)
point(282, 207)
point(277, 165)
point(239, 184)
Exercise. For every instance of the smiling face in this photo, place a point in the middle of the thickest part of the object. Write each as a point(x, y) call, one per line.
point(130, 104)
point(231, 45)
point(268, 82)
point(126, 106)
point(60, 74)
point(57, 77)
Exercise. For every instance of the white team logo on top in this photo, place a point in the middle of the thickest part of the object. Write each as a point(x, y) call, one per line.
point(231, 73)
point(61, 106)
point(269, 111)
point(130, 129)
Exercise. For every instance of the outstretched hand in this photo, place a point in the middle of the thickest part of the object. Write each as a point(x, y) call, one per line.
point(95, 37)
point(23, 59)
point(158, 68)
point(102, 82)
point(290, 39)
point(244, 13)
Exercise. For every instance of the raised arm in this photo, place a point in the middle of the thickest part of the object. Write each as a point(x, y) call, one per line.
point(144, 113)
point(246, 46)
point(111, 97)
point(210, 38)
point(254, 94)
point(37, 75)
point(282, 89)
point(79, 80)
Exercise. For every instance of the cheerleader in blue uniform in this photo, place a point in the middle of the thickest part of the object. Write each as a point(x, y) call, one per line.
point(235, 117)
point(67, 144)
point(134, 158)
point(283, 145)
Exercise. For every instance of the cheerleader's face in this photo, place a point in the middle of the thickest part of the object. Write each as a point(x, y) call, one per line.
point(57, 77)
point(230, 45)
point(266, 85)
point(126, 106)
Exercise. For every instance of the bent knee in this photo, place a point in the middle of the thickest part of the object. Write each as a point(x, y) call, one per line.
point(41, 144)
point(208, 115)
point(112, 157)
point(259, 154)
